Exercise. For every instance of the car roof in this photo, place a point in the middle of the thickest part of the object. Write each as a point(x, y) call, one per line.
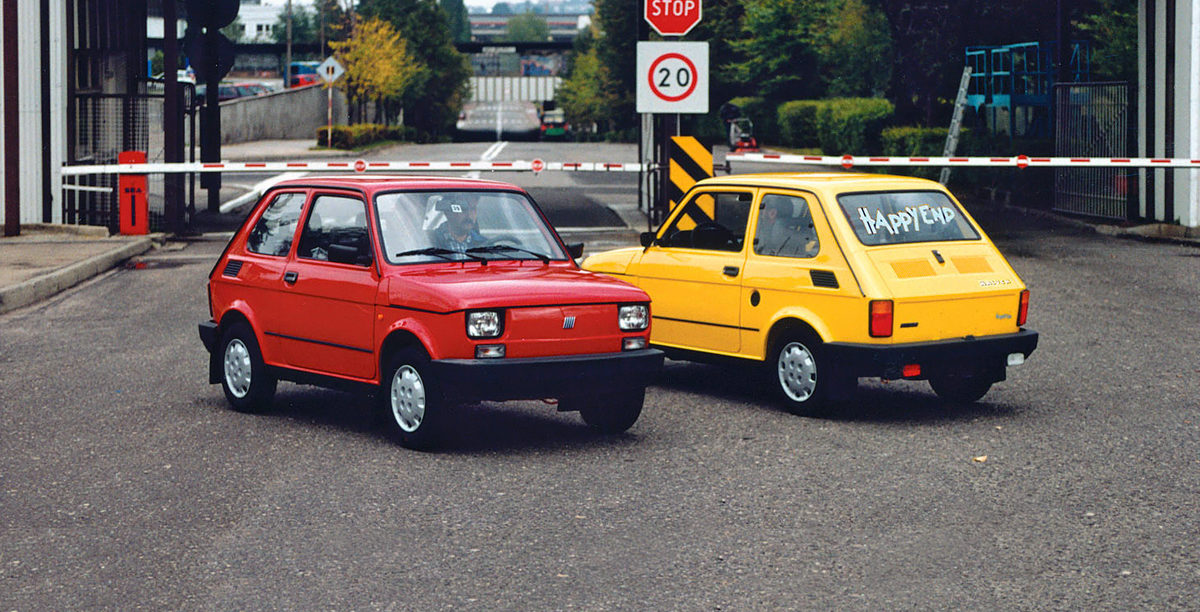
point(840, 181)
point(377, 183)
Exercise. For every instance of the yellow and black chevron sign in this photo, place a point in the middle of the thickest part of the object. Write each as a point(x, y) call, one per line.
point(689, 162)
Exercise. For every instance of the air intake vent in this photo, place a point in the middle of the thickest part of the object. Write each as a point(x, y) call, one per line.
point(823, 278)
point(232, 267)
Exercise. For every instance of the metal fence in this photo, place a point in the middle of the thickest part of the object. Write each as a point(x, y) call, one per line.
point(107, 124)
point(1093, 120)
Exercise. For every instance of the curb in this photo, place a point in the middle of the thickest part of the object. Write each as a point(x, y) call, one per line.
point(42, 287)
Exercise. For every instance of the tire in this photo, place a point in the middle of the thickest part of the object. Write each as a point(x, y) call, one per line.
point(409, 400)
point(613, 413)
point(244, 377)
point(800, 375)
point(959, 388)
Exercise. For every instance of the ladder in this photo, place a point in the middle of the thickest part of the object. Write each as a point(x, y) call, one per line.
point(960, 103)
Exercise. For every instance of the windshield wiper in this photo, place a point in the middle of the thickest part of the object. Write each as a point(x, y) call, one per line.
point(439, 252)
point(495, 248)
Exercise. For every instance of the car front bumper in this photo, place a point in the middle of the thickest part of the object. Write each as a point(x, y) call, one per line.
point(545, 377)
point(986, 356)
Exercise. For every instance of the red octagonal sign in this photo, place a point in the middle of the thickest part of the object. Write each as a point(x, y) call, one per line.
point(672, 17)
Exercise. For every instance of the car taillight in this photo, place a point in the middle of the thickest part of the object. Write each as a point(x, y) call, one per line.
point(881, 318)
point(1023, 308)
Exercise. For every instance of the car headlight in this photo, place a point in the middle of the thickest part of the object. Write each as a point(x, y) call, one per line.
point(633, 317)
point(485, 324)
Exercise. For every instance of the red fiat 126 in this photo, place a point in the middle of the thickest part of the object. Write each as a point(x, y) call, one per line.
point(429, 292)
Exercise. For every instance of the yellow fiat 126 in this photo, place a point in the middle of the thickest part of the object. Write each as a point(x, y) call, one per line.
point(825, 278)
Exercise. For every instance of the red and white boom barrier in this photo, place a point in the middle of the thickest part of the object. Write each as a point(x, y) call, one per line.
point(354, 166)
point(1020, 161)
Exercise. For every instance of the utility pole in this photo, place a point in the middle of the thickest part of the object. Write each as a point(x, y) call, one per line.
point(287, 64)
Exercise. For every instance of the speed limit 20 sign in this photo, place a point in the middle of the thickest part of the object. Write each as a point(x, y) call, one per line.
point(672, 77)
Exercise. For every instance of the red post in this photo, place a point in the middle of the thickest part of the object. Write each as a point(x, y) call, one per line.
point(131, 195)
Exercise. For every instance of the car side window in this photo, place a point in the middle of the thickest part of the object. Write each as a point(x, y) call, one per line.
point(334, 220)
point(785, 228)
point(273, 233)
point(714, 221)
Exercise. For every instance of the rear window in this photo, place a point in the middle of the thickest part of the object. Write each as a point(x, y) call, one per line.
point(900, 217)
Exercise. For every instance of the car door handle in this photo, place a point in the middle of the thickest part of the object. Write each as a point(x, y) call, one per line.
point(730, 271)
point(290, 277)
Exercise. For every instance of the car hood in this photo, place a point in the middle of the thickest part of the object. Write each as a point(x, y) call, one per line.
point(612, 262)
point(498, 285)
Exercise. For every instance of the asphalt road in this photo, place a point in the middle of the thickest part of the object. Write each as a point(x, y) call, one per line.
point(126, 483)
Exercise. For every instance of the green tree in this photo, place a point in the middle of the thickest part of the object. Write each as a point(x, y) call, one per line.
point(722, 28)
point(780, 61)
point(304, 26)
point(1113, 32)
point(616, 47)
point(433, 101)
point(457, 20)
point(586, 94)
point(527, 27)
point(501, 8)
point(854, 46)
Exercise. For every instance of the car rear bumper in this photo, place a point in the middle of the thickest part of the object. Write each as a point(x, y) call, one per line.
point(545, 377)
point(987, 355)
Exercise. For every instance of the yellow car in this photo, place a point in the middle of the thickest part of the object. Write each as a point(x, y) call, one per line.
point(825, 278)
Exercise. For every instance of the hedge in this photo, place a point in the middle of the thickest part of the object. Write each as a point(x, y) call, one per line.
point(851, 125)
point(837, 126)
point(362, 134)
point(798, 123)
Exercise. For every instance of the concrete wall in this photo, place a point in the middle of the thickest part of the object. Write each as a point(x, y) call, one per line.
point(283, 115)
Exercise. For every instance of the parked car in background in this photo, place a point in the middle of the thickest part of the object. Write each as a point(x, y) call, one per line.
point(250, 88)
point(554, 125)
point(824, 278)
point(427, 292)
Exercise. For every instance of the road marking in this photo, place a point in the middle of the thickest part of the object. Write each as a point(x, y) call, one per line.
point(489, 155)
point(257, 190)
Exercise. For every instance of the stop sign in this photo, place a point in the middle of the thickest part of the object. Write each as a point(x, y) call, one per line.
point(672, 17)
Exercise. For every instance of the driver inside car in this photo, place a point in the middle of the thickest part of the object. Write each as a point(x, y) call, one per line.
point(461, 230)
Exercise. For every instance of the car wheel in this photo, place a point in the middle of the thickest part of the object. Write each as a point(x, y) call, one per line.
point(244, 377)
point(409, 400)
point(615, 412)
point(959, 388)
point(801, 378)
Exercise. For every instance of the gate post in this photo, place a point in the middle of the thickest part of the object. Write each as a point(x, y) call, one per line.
point(132, 206)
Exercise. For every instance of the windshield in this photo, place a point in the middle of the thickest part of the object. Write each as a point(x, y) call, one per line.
point(426, 226)
point(900, 217)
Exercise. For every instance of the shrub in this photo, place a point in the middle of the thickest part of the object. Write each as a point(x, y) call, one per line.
point(797, 122)
point(362, 134)
point(851, 125)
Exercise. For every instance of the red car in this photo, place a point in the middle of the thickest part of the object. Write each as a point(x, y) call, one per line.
point(429, 292)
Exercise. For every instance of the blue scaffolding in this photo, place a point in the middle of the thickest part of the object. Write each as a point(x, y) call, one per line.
point(1012, 86)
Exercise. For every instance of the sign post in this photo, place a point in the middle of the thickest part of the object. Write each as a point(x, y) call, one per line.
point(330, 70)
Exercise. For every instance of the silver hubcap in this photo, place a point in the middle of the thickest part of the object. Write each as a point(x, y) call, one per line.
point(408, 398)
point(797, 372)
point(237, 368)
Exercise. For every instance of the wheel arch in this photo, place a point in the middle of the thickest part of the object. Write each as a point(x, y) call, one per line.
point(395, 340)
point(788, 325)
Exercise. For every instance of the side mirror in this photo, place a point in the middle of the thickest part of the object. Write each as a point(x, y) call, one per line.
point(646, 238)
point(350, 254)
point(575, 250)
